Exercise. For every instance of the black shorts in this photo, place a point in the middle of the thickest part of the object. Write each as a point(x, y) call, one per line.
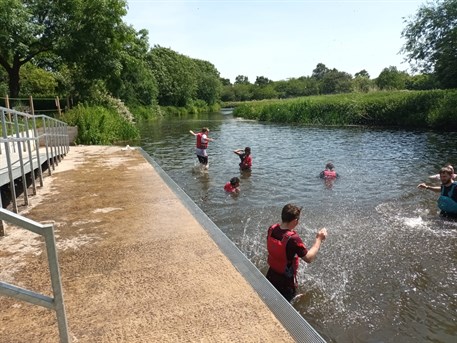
point(203, 159)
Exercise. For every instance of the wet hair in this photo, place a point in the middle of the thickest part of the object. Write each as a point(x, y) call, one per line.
point(446, 170)
point(450, 167)
point(329, 166)
point(234, 181)
point(247, 150)
point(290, 212)
point(205, 129)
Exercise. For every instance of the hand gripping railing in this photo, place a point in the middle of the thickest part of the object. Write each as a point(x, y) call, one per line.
point(56, 303)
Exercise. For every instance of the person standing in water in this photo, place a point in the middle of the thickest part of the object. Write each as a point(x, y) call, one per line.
point(202, 145)
point(329, 172)
point(285, 247)
point(447, 202)
point(245, 157)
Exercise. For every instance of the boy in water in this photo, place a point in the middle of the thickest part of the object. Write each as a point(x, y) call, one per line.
point(233, 186)
point(202, 145)
point(285, 247)
point(245, 157)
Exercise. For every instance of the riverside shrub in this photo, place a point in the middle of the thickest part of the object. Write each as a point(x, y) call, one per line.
point(434, 109)
point(99, 125)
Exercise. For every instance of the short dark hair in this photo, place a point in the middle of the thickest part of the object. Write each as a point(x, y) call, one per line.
point(234, 181)
point(290, 212)
point(446, 170)
point(329, 166)
point(247, 150)
point(205, 129)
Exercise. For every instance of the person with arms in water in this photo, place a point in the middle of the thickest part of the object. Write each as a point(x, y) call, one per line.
point(245, 157)
point(233, 186)
point(329, 172)
point(285, 248)
point(202, 145)
point(447, 202)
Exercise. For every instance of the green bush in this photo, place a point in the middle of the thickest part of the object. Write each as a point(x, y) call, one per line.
point(99, 125)
point(436, 108)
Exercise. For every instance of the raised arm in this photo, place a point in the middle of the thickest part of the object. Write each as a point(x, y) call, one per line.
point(311, 255)
point(192, 132)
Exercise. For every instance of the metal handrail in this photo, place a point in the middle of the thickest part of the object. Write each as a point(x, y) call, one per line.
point(56, 303)
point(19, 134)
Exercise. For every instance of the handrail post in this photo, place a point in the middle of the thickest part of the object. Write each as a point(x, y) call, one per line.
point(24, 179)
point(8, 161)
point(56, 283)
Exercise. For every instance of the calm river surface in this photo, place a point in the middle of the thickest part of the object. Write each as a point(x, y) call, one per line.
point(387, 271)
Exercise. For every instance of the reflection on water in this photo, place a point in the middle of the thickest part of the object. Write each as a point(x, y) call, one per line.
point(387, 271)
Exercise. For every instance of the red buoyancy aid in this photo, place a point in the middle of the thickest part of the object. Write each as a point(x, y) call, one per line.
point(277, 257)
point(200, 144)
point(329, 174)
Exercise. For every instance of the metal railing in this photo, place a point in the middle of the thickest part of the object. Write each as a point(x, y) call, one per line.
point(56, 303)
point(22, 134)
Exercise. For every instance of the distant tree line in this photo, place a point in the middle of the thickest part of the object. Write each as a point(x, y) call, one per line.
point(84, 49)
point(324, 81)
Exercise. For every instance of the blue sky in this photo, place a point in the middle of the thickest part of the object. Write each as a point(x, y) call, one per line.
point(279, 39)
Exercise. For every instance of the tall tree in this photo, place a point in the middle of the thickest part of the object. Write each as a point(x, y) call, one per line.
point(242, 80)
point(78, 31)
point(209, 85)
point(431, 40)
point(262, 81)
point(320, 71)
point(175, 74)
point(391, 78)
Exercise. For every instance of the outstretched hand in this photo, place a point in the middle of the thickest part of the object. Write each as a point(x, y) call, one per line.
point(322, 234)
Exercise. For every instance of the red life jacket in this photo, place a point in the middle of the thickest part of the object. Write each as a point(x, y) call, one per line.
point(329, 174)
point(277, 257)
point(200, 144)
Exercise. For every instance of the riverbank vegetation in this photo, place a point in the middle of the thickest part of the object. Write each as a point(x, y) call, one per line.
point(435, 109)
point(85, 53)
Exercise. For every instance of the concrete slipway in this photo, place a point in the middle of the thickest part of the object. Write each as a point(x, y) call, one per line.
point(139, 262)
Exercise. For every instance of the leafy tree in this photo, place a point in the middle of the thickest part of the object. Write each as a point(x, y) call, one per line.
point(431, 40)
point(243, 92)
point(135, 83)
point(362, 84)
point(175, 75)
point(37, 81)
point(80, 32)
point(209, 86)
point(362, 73)
point(391, 78)
point(225, 82)
point(262, 81)
point(242, 80)
point(335, 81)
point(228, 93)
point(264, 92)
point(320, 71)
point(422, 82)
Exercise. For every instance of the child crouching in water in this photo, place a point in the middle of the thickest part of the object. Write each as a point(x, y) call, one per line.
point(233, 186)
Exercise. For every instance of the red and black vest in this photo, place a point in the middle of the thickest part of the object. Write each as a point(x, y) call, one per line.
point(200, 144)
point(277, 257)
point(329, 174)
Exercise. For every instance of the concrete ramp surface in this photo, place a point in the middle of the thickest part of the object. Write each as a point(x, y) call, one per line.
point(136, 266)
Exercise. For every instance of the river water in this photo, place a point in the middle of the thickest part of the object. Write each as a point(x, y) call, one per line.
point(387, 271)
